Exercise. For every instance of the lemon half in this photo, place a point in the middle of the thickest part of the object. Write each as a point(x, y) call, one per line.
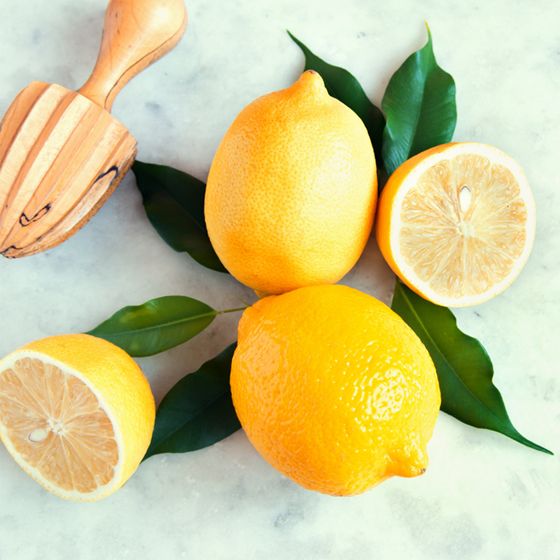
point(457, 223)
point(76, 413)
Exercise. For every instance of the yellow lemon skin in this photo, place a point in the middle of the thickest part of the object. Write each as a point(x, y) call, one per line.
point(292, 190)
point(334, 389)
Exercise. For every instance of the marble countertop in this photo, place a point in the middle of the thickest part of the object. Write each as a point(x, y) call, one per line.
point(484, 496)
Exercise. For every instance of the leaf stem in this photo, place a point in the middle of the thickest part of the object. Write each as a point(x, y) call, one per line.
point(233, 310)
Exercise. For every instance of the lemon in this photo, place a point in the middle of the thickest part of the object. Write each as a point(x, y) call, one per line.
point(76, 413)
point(457, 222)
point(334, 389)
point(292, 190)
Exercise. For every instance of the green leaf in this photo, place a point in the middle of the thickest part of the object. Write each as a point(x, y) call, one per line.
point(174, 203)
point(157, 325)
point(464, 368)
point(198, 411)
point(345, 87)
point(420, 108)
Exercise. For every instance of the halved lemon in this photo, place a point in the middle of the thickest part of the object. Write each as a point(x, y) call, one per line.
point(456, 223)
point(76, 413)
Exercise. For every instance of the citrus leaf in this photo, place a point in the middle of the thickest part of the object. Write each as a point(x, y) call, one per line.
point(420, 108)
point(421, 113)
point(464, 368)
point(345, 87)
point(198, 411)
point(174, 204)
point(157, 325)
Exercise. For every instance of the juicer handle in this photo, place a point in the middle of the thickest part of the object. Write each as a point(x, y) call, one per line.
point(136, 34)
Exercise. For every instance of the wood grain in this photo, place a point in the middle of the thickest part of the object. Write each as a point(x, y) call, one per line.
point(75, 159)
point(62, 153)
point(136, 34)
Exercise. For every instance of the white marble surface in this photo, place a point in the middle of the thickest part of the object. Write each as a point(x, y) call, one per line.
point(483, 497)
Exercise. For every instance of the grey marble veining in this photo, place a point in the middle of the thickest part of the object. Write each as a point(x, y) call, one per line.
point(483, 497)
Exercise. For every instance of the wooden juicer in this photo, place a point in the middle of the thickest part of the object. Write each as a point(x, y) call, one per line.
point(62, 153)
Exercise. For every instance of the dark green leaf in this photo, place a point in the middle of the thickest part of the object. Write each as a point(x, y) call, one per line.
point(343, 86)
point(420, 108)
point(198, 411)
point(157, 325)
point(174, 203)
point(464, 368)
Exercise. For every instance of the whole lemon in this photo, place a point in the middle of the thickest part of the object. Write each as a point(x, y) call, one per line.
point(334, 389)
point(292, 190)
